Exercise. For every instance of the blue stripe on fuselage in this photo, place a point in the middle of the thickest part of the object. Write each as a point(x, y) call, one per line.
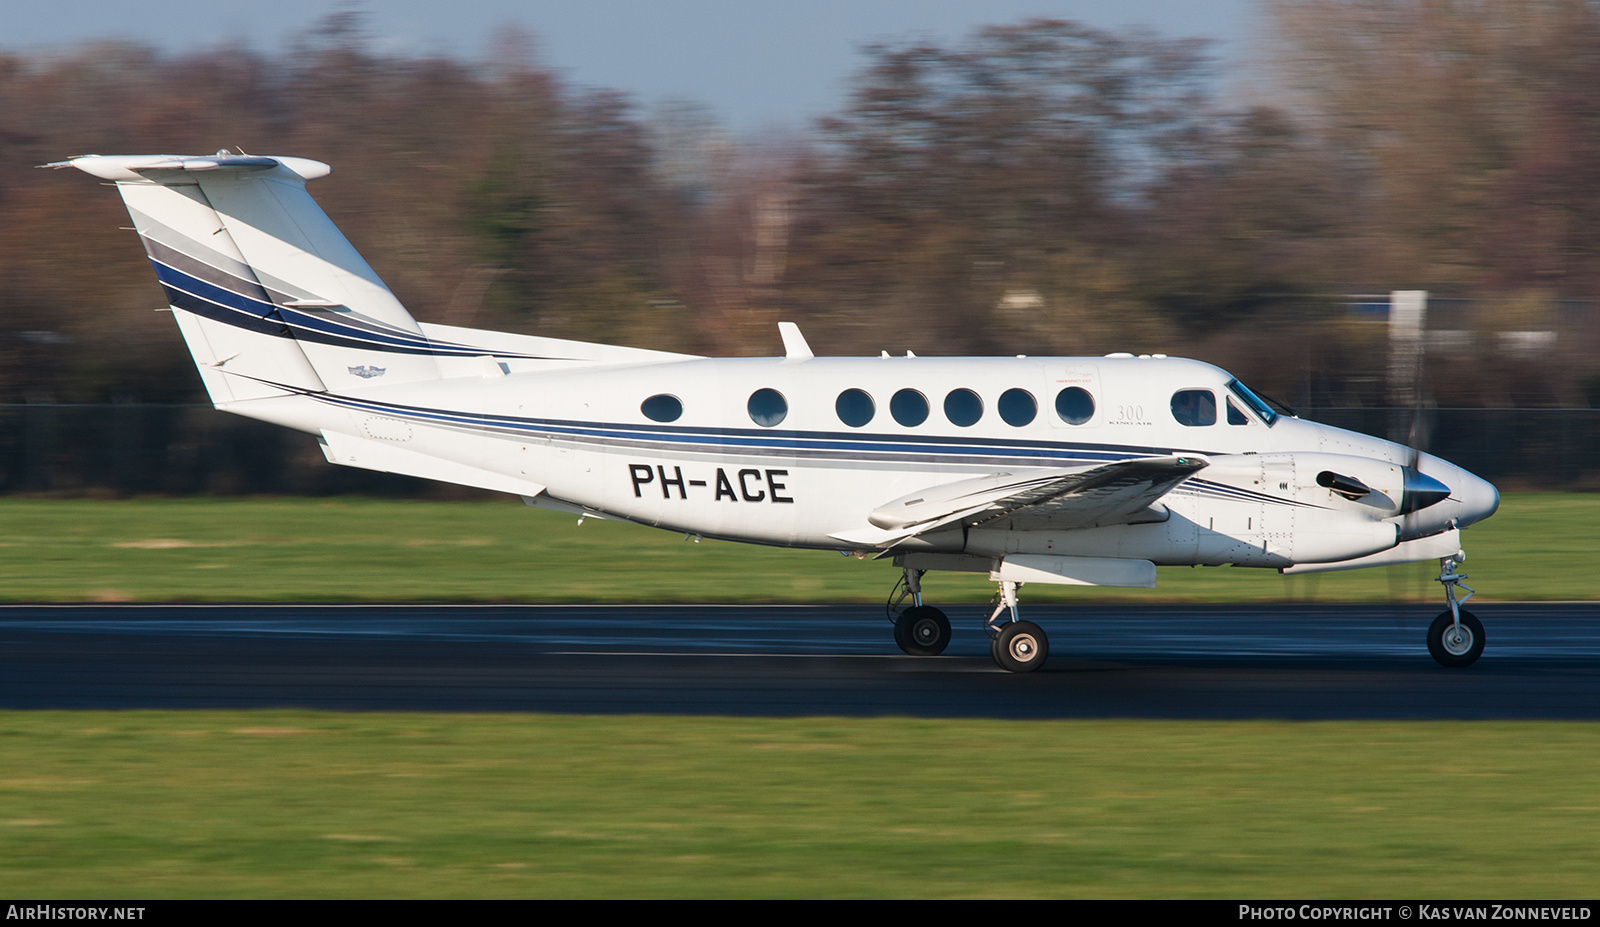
point(933, 447)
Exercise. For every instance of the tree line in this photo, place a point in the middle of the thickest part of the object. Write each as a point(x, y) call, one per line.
point(1040, 187)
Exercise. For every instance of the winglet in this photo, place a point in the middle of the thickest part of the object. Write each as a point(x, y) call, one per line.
point(794, 343)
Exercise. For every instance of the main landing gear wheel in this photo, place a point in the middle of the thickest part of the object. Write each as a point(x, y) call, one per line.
point(1453, 645)
point(922, 631)
point(1020, 647)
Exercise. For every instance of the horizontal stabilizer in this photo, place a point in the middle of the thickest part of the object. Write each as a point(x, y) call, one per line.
point(171, 168)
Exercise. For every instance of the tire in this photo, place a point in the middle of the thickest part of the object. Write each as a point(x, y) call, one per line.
point(922, 631)
point(1021, 647)
point(1451, 650)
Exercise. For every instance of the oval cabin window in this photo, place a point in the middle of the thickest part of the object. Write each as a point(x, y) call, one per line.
point(909, 407)
point(963, 407)
point(767, 407)
point(1017, 407)
point(855, 407)
point(662, 408)
point(1074, 405)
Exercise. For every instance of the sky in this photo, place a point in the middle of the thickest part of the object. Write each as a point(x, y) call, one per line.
point(757, 64)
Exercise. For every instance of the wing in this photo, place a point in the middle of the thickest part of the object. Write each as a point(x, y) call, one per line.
point(1112, 494)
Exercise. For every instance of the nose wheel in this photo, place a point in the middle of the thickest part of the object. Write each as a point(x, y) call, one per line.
point(1456, 644)
point(1455, 639)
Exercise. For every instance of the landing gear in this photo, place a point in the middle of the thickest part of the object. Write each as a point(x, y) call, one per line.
point(1017, 646)
point(1455, 638)
point(921, 630)
point(1020, 647)
point(1455, 643)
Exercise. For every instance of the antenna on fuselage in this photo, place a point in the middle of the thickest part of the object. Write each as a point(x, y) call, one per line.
point(794, 343)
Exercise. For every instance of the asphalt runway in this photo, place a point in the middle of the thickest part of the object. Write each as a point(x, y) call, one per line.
point(1162, 661)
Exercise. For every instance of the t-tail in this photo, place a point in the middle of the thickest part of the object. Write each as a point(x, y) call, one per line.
point(270, 296)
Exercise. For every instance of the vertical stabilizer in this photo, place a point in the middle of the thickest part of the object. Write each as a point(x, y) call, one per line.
point(226, 317)
point(269, 295)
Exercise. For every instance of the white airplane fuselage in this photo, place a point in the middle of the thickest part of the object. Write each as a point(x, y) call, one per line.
point(714, 472)
point(1033, 469)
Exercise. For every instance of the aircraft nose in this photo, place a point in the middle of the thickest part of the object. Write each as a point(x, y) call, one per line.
point(1472, 498)
point(1479, 499)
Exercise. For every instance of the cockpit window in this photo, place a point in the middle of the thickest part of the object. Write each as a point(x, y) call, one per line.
point(1235, 417)
point(1194, 407)
point(1256, 403)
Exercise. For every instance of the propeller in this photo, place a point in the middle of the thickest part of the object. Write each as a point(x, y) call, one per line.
point(1419, 489)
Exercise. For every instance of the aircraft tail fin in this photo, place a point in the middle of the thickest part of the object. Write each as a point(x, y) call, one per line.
point(269, 295)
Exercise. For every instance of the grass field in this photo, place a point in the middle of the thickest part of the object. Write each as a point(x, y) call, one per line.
point(1539, 546)
point(297, 804)
point(304, 804)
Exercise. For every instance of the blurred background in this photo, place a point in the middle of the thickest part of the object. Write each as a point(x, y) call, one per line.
point(1251, 197)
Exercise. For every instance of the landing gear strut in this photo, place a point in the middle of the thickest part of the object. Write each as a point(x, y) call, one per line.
point(1455, 638)
point(921, 630)
point(1018, 646)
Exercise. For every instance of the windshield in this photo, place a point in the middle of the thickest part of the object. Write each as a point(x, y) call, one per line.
point(1253, 401)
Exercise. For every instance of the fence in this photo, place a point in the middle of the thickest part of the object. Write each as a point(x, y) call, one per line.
point(169, 449)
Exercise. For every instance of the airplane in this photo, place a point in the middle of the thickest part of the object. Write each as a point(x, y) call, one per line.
point(1067, 470)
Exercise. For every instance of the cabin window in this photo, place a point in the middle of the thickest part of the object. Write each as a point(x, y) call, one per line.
point(855, 407)
point(1074, 405)
point(909, 407)
point(1194, 407)
point(1236, 417)
point(963, 407)
point(1017, 407)
point(662, 408)
point(767, 407)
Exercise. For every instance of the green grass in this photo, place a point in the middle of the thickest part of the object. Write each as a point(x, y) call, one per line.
point(302, 804)
point(1539, 546)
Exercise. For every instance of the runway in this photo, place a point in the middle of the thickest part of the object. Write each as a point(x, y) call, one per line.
point(1282, 661)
